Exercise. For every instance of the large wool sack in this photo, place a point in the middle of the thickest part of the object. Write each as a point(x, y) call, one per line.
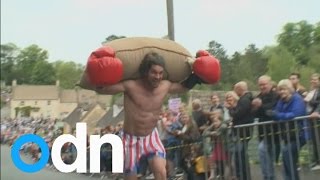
point(131, 51)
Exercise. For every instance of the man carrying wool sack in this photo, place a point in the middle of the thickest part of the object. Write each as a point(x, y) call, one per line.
point(143, 99)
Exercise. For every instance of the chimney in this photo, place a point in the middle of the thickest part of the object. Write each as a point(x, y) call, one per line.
point(57, 83)
point(14, 82)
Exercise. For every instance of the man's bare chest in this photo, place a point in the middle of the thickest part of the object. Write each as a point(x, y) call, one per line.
point(148, 100)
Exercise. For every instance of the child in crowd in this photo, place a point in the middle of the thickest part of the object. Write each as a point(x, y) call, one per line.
point(190, 136)
point(171, 125)
point(216, 134)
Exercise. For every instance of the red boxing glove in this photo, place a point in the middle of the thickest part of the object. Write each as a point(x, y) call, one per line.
point(207, 67)
point(201, 53)
point(103, 68)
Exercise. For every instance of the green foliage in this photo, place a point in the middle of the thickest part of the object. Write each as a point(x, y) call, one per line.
point(298, 50)
point(280, 64)
point(8, 62)
point(27, 61)
point(25, 111)
point(217, 50)
point(306, 73)
point(204, 87)
point(116, 97)
point(111, 38)
point(17, 110)
point(184, 97)
point(30, 66)
point(316, 34)
point(314, 55)
point(2, 103)
point(250, 65)
point(297, 38)
point(68, 73)
point(257, 63)
point(43, 73)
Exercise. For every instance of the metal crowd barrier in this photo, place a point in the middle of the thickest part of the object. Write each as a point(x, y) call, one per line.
point(237, 153)
point(236, 157)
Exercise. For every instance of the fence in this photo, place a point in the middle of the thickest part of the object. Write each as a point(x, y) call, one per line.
point(253, 151)
point(238, 149)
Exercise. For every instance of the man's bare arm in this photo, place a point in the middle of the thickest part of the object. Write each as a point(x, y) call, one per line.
point(177, 88)
point(112, 89)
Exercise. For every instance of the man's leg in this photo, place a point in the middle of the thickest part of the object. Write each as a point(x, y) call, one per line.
point(131, 177)
point(245, 162)
point(270, 161)
point(170, 160)
point(239, 161)
point(290, 160)
point(158, 167)
point(131, 160)
point(263, 156)
point(314, 133)
point(266, 160)
point(143, 166)
point(277, 147)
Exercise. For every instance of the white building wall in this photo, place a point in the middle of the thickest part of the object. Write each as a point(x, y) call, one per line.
point(48, 108)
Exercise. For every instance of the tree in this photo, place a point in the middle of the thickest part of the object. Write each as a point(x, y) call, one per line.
point(257, 63)
point(111, 38)
point(280, 63)
point(217, 50)
point(316, 34)
point(297, 38)
point(313, 65)
point(43, 73)
point(68, 73)
point(248, 66)
point(232, 68)
point(26, 61)
point(306, 73)
point(8, 61)
point(314, 55)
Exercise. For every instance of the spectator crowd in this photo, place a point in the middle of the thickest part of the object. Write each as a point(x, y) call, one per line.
point(213, 143)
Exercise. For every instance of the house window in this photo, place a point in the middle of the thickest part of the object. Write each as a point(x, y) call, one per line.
point(49, 102)
point(36, 103)
point(21, 103)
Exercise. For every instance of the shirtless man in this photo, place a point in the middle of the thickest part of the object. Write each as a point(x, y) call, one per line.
point(143, 99)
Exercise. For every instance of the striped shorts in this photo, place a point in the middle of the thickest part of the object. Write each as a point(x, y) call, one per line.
point(136, 147)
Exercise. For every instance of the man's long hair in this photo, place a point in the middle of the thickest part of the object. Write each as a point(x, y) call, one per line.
point(150, 59)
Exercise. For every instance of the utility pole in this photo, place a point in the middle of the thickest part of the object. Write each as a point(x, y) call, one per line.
point(170, 19)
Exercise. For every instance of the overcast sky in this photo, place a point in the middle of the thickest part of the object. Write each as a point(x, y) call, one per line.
point(72, 29)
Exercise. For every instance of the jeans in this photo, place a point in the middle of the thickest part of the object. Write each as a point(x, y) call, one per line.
point(315, 137)
point(290, 160)
point(266, 160)
point(242, 160)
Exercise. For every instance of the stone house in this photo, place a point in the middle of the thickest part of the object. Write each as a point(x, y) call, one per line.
point(51, 101)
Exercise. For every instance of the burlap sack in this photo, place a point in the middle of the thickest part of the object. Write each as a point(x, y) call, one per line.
point(131, 51)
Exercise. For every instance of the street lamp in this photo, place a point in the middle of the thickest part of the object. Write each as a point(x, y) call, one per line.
point(170, 19)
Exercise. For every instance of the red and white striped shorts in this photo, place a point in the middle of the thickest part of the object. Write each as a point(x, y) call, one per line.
point(136, 147)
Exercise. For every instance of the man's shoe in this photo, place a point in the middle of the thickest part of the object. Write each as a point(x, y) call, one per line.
point(179, 172)
point(151, 176)
point(316, 167)
point(298, 168)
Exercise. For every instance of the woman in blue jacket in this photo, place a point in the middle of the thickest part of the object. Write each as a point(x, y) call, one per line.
point(290, 106)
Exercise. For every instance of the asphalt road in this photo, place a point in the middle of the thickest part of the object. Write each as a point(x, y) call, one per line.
point(10, 172)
